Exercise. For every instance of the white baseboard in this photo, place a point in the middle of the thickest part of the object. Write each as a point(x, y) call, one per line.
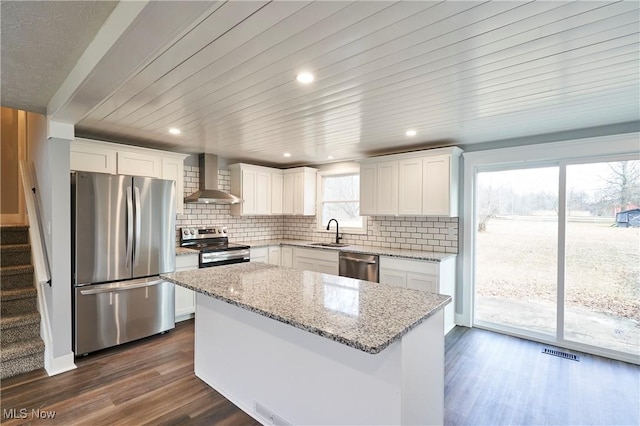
point(60, 364)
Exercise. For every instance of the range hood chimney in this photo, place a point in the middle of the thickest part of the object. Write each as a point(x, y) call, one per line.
point(209, 192)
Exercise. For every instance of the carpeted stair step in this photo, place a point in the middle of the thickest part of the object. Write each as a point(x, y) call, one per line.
point(14, 328)
point(14, 234)
point(15, 254)
point(12, 277)
point(21, 357)
point(18, 301)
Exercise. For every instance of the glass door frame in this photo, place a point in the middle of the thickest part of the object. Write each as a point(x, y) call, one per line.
point(561, 154)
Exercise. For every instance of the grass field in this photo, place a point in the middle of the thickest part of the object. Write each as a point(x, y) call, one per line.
point(517, 263)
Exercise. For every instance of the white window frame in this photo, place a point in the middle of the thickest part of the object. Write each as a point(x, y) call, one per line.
point(322, 227)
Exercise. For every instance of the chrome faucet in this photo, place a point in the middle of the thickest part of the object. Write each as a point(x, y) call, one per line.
point(338, 238)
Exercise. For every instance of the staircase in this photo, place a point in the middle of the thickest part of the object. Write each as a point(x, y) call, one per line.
point(22, 349)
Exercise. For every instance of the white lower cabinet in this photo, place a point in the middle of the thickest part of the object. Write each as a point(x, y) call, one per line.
point(185, 298)
point(274, 255)
point(259, 254)
point(434, 277)
point(316, 260)
point(286, 256)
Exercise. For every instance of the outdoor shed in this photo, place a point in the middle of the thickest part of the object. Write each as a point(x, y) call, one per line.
point(628, 219)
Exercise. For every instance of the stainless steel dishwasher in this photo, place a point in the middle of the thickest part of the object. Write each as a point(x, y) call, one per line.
point(360, 266)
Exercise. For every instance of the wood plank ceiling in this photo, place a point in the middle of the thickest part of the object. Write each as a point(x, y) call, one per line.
point(455, 72)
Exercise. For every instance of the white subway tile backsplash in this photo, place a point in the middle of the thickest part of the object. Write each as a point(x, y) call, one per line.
point(439, 234)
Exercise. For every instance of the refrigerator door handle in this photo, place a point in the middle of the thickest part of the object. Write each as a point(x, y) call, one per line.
point(129, 225)
point(136, 253)
point(108, 288)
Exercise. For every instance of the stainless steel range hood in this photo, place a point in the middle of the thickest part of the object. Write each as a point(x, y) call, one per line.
point(209, 192)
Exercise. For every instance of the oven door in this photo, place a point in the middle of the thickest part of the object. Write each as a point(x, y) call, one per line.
point(226, 257)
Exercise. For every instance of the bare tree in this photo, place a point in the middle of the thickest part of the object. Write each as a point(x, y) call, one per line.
point(623, 184)
point(488, 206)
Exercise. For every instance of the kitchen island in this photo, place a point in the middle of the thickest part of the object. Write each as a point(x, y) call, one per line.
point(300, 347)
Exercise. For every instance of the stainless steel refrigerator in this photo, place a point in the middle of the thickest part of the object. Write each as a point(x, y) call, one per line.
point(123, 237)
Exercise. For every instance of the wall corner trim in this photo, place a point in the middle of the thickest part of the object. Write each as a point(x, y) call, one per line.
point(59, 130)
point(58, 365)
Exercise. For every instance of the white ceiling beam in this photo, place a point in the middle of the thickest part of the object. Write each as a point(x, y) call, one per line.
point(129, 40)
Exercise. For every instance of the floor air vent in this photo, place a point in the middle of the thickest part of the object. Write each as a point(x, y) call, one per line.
point(561, 354)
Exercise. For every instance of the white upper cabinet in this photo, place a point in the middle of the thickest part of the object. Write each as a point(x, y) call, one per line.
point(368, 184)
point(423, 183)
point(277, 188)
point(138, 164)
point(409, 187)
point(253, 183)
point(104, 157)
point(387, 188)
point(299, 191)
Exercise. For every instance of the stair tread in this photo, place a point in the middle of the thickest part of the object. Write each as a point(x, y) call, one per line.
point(14, 248)
point(15, 270)
point(23, 348)
point(17, 293)
point(13, 227)
point(16, 320)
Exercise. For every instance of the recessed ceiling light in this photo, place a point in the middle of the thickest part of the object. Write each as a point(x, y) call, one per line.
point(174, 131)
point(286, 155)
point(411, 133)
point(305, 77)
point(330, 157)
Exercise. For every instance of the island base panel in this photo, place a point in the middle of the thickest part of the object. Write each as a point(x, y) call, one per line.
point(304, 378)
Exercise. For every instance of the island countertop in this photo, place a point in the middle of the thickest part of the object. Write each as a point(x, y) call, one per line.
point(360, 314)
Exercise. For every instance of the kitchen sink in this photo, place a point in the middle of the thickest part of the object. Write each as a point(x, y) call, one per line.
point(329, 244)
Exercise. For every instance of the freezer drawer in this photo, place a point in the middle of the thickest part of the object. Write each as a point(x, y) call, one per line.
point(110, 314)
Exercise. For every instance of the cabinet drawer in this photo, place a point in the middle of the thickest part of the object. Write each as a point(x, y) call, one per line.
point(186, 262)
point(317, 254)
point(407, 265)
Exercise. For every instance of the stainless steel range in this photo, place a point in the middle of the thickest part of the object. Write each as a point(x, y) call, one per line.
point(214, 246)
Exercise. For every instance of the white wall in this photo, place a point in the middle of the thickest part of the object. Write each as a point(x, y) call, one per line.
point(50, 158)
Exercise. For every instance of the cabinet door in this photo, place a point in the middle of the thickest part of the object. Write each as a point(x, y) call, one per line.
point(303, 264)
point(387, 190)
point(423, 282)
point(172, 169)
point(249, 192)
point(277, 187)
point(410, 187)
point(287, 196)
point(327, 267)
point(298, 193)
point(263, 192)
point(274, 256)
point(260, 254)
point(286, 257)
point(185, 299)
point(393, 277)
point(368, 183)
point(436, 185)
point(92, 159)
point(136, 164)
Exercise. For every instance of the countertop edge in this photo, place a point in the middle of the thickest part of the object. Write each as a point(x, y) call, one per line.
point(314, 330)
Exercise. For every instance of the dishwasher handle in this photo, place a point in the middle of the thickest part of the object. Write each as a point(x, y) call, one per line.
point(353, 259)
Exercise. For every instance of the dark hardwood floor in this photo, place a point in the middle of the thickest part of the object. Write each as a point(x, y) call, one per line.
point(493, 379)
point(490, 379)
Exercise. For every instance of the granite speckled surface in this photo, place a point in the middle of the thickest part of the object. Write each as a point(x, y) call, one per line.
point(181, 251)
point(361, 314)
point(381, 251)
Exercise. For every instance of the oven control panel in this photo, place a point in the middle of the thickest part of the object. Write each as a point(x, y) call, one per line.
point(200, 233)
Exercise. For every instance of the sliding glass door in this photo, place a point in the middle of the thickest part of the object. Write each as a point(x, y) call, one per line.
point(602, 274)
point(557, 254)
point(517, 249)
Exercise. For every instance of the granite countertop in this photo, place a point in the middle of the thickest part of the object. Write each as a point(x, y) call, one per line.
point(181, 251)
point(361, 314)
point(381, 251)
